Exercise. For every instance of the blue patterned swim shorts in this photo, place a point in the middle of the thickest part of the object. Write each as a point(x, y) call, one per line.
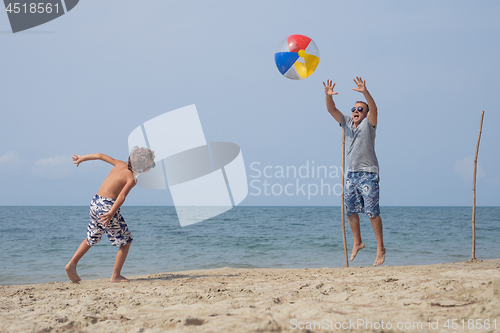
point(117, 229)
point(361, 193)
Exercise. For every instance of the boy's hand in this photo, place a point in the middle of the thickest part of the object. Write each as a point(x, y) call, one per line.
point(329, 88)
point(105, 219)
point(77, 159)
point(361, 85)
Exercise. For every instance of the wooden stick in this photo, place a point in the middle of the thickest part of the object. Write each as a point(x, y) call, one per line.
point(342, 199)
point(474, 192)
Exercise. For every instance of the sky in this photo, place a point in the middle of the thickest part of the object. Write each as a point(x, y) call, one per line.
point(82, 82)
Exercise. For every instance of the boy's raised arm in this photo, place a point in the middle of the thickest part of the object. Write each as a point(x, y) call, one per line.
point(77, 159)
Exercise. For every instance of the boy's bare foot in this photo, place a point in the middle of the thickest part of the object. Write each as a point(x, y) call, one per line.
point(380, 258)
point(119, 279)
point(71, 271)
point(356, 248)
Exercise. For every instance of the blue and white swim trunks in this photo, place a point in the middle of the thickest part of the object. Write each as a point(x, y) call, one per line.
point(361, 193)
point(117, 229)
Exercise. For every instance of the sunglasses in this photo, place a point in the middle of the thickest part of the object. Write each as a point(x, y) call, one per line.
point(359, 108)
point(151, 167)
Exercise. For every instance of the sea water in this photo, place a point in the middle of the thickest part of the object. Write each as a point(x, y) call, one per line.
point(37, 242)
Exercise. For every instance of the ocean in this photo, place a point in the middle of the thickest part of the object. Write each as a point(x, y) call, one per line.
point(37, 242)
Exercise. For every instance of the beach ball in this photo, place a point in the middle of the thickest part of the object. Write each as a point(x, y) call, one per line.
point(297, 57)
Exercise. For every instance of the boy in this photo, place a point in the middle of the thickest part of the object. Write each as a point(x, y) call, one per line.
point(105, 214)
point(361, 186)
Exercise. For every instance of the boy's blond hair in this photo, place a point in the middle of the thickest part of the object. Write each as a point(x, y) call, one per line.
point(140, 159)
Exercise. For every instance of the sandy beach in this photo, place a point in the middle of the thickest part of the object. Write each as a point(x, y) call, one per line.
point(458, 297)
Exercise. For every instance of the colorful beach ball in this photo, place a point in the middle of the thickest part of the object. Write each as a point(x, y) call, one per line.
point(297, 57)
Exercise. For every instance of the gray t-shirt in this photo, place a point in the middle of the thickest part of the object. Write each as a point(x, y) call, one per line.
point(360, 145)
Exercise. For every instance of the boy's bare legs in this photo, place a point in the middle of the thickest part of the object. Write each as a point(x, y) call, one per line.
point(377, 229)
point(71, 266)
point(120, 259)
point(356, 234)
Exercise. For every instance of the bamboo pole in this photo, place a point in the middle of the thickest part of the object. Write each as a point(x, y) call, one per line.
point(474, 192)
point(342, 199)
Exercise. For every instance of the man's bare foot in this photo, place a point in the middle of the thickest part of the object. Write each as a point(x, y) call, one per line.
point(380, 258)
point(356, 248)
point(71, 271)
point(119, 279)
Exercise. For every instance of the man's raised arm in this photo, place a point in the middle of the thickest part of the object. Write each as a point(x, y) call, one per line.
point(373, 114)
point(330, 104)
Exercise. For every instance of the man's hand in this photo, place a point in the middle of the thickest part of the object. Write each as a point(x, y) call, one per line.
point(361, 85)
point(105, 219)
point(329, 88)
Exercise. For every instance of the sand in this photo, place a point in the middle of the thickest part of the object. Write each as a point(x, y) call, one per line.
point(458, 297)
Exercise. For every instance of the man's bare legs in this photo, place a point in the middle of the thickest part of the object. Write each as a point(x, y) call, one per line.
point(356, 234)
point(359, 245)
point(377, 229)
point(120, 259)
point(71, 266)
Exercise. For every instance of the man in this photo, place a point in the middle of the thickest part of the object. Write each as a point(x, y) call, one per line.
point(361, 186)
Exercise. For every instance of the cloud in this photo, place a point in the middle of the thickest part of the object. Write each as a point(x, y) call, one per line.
point(10, 160)
point(52, 161)
point(53, 167)
point(7, 157)
point(464, 168)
